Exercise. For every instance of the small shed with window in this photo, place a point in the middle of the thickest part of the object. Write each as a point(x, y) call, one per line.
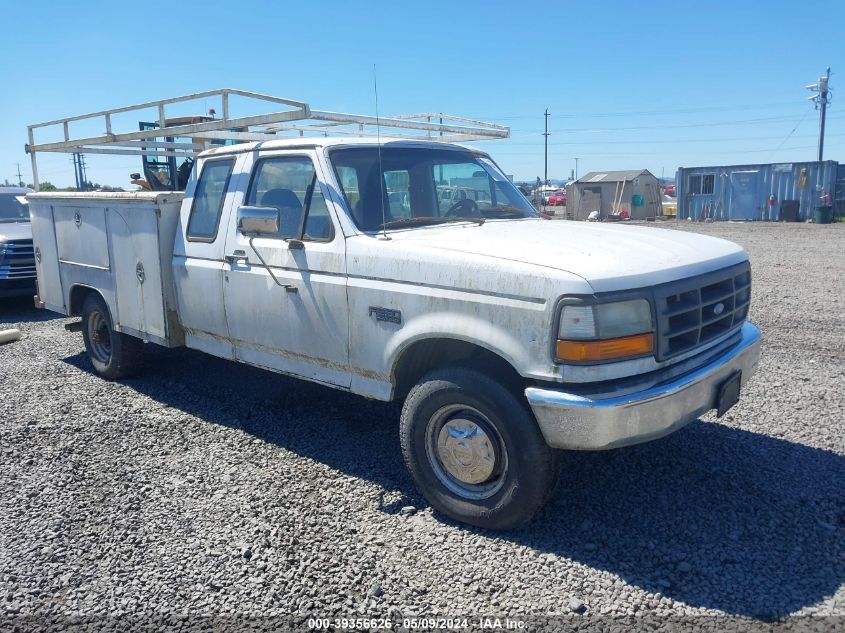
point(771, 191)
point(633, 193)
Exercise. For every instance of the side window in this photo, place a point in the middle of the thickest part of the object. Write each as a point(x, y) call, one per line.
point(462, 181)
point(289, 184)
point(503, 199)
point(208, 199)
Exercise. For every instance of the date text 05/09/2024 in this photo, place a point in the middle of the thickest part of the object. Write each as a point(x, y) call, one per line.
point(416, 623)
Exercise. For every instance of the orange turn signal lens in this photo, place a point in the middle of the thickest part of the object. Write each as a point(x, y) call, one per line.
point(608, 349)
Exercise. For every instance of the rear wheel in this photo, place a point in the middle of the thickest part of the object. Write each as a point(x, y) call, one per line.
point(475, 451)
point(114, 355)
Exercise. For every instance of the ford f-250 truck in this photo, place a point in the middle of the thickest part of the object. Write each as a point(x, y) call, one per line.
point(508, 337)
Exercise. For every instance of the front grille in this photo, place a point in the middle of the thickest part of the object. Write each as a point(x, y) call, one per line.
point(697, 310)
point(17, 260)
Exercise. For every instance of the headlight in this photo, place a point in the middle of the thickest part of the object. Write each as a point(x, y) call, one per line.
point(605, 331)
point(577, 322)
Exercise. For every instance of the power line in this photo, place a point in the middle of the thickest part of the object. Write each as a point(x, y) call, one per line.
point(800, 121)
point(678, 125)
point(666, 142)
point(780, 104)
point(674, 125)
point(710, 152)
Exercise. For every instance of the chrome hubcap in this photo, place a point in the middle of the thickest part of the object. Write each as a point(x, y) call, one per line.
point(466, 452)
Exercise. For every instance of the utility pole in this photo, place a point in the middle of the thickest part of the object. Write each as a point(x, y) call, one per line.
point(576, 168)
point(546, 139)
point(821, 99)
point(76, 174)
point(79, 172)
point(20, 178)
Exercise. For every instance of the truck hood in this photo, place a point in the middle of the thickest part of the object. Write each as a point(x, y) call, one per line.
point(15, 231)
point(608, 256)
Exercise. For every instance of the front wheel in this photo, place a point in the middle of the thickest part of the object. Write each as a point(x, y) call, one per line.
point(474, 450)
point(114, 355)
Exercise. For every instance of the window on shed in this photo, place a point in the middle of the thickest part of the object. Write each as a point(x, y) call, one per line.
point(208, 199)
point(702, 184)
point(695, 185)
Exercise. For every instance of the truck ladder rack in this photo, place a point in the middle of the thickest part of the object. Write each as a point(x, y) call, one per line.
point(288, 119)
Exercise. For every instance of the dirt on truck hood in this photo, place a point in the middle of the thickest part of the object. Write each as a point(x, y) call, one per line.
point(608, 256)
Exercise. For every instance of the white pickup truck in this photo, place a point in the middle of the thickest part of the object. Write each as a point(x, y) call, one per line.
point(335, 260)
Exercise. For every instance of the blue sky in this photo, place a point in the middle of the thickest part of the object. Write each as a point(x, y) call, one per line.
point(629, 85)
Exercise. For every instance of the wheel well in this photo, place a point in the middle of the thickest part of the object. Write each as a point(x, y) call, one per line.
point(78, 295)
point(423, 356)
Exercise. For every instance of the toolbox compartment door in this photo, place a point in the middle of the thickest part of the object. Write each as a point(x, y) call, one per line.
point(140, 296)
point(46, 256)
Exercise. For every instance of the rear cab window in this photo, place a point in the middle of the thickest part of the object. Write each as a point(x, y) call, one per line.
point(209, 196)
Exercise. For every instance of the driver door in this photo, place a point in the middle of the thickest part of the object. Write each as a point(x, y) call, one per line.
point(291, 314)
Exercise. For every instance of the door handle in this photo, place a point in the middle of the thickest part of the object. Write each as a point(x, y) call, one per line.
point(234, 258)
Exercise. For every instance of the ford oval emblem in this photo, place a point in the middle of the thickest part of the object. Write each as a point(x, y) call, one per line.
point(718, 308)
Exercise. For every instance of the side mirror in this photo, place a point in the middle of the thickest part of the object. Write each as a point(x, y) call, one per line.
point(258, 220)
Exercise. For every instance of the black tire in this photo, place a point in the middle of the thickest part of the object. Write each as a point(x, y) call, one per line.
point(114, 355)
point(526, 468)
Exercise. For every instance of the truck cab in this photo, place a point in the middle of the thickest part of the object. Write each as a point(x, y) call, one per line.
point(341, 261)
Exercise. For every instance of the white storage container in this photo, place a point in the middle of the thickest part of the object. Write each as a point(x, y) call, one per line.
point(92, 240)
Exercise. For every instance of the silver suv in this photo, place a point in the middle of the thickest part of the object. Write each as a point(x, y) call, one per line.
point(17, 261)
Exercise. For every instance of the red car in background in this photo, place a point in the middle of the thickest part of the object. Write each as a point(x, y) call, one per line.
point(669, 190)
point(558, 198)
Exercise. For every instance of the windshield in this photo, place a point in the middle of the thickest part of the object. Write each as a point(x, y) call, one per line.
point(13, 208)
point(416, 186)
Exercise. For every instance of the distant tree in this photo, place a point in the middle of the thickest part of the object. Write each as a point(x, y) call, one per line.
point(47, 186)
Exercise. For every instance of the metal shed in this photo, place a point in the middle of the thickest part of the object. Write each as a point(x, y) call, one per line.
point(636, 191)
point(743, 192)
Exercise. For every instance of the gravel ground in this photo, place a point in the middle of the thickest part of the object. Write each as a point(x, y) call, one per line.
point(205, 488)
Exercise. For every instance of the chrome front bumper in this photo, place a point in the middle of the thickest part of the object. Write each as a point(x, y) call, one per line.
point(579, 422)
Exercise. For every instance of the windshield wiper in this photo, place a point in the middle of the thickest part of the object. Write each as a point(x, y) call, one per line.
point(428, 219)
point(503, 210)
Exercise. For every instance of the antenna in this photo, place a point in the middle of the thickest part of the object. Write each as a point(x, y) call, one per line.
point(380, 168)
